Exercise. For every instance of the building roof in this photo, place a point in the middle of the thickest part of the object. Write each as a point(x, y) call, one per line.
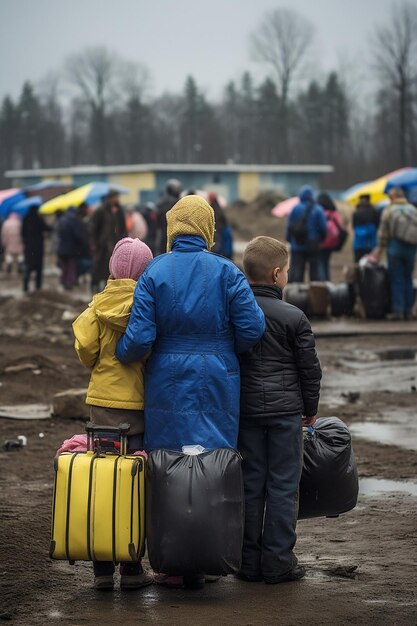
point(169, 167)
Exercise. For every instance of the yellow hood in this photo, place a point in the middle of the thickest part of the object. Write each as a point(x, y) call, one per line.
point(191, 215)
point(97, 331)
point(112, 306)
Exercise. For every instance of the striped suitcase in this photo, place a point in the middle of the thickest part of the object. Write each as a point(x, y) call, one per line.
point(98, 510)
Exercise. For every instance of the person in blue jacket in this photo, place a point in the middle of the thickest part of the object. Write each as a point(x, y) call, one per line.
point(306, 229)
point(195, 311)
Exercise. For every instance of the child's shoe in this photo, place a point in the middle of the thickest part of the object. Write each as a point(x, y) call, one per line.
point(136, 581)
point(103, 583)
point(296, 573)
point(209, 578)
point(166, 580)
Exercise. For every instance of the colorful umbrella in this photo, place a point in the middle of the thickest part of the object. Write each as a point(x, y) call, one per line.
point(407, 180)
point(375, 189)
point(8, 198)
point(284, 208)
point(48, 189)
point(6, 193)
point(23, 206)
point(89, 194)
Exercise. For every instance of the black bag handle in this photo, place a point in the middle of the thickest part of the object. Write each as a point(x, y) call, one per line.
point(95, 429)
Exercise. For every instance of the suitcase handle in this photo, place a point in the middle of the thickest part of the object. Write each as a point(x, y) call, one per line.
point(95, 429)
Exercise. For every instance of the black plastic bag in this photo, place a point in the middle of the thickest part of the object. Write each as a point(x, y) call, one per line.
point(342, 299)
point(374, 290)
point(329, 482)
point(194, 512)
point(297, 295)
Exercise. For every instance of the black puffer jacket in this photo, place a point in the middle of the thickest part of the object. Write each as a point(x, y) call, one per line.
point(281, 374)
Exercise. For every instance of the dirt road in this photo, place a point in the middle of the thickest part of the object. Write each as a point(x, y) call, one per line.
point(361, 566)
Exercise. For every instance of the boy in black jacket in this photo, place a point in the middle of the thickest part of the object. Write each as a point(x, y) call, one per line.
point(280, 389)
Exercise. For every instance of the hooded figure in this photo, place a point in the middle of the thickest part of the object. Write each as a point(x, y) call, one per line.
point(195, 311)
point(306, 229)
point(97, 330)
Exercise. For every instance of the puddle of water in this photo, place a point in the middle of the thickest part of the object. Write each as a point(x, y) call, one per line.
point(394, 434)
point(389, 369)
point(397, 354)
point(394, 376)
point(380, 486)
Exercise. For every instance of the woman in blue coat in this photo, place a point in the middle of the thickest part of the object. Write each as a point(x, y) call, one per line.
point(195, 311)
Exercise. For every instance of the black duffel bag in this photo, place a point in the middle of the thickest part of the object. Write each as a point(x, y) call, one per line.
point(329, 483)
point(194, 512)
point(374, 289)
point(342, 299)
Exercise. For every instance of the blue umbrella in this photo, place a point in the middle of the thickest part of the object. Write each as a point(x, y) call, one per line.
point(23, 206)
point(407, 181)
point(6, 207)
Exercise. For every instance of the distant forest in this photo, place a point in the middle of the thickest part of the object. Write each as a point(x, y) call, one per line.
point(97, 110)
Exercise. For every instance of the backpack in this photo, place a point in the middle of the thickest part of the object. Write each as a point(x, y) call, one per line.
point(404, 224)
point(365, 237)
point(338, 233)
point(299, 227)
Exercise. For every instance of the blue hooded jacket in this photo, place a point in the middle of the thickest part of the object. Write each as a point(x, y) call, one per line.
point(316, 223)
point(195, 311)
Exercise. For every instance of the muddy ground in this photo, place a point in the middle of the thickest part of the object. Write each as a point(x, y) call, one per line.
point(361, 566)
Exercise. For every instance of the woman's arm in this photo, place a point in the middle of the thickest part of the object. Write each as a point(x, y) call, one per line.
point(140, 333)
point(246, 316)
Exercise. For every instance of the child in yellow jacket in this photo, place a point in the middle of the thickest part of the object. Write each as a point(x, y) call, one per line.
point(116, 391)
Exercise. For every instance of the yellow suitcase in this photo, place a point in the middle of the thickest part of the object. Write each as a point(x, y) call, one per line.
point(98, 511)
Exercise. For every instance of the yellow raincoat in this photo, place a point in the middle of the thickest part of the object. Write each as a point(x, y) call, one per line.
point(97, 331)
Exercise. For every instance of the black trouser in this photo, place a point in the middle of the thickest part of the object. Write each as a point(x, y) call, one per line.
point(298, 263)
point(26, 276)
point(106, 568)
point(272, 464)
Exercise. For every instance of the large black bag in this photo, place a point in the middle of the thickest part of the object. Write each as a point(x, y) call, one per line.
point(329, 483)
point(374, 289)
point(342, 299)
point(297, 295)
point(194, 512)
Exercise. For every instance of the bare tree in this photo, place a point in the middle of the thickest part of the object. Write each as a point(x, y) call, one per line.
point(104, 81)
point(395, 56)
point(282, 41)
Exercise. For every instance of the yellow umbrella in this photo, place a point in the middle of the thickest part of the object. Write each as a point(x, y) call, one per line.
point(374, 188)
point(89, 194)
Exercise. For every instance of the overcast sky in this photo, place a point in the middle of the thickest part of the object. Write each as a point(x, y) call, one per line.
point(173, 38)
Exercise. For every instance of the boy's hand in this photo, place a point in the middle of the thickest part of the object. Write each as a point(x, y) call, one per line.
point(309, 421)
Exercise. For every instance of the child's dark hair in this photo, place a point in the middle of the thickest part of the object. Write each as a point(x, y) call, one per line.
point(262, 255)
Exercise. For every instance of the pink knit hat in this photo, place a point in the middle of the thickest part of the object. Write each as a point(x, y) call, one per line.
point(129, 258)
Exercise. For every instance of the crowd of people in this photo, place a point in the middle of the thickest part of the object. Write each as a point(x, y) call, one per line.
point(83, 240)
point(315, 231)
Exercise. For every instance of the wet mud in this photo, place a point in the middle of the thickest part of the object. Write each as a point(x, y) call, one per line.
point(360, 567)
